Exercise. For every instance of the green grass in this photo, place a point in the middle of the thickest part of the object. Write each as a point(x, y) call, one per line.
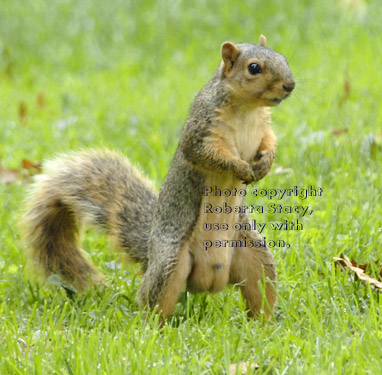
point(122, 74)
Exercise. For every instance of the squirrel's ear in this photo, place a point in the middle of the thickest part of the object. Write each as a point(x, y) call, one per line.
point(230, 52)
point(263, 41)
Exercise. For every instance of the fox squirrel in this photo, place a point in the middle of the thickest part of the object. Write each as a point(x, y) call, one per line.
point(226, 142)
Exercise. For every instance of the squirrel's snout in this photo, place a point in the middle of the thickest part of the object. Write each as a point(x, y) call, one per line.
point(289, 87)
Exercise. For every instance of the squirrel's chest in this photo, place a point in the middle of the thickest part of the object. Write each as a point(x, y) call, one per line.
point(246, 129)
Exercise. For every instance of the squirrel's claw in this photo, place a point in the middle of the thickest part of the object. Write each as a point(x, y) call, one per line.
point(244, 172)
point(263, 164)
point(252, 178)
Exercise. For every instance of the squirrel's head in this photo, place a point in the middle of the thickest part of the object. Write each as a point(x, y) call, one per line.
point(255, 73)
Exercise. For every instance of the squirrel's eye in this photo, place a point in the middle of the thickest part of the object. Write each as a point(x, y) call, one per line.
point(254, 69)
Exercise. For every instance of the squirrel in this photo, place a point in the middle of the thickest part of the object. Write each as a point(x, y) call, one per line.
point(227, 142)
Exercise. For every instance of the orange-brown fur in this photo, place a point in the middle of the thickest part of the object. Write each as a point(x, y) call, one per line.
point(227, 141)
point(243, 266)
point(229, 148)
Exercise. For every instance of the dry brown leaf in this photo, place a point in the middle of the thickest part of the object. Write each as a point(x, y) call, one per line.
point(242, 368)
point(7, 59)
point(340, 131)
point(367, 267)
point(40, 100)
point(346, 89)
point(23, 112)
point(8, 175)
point(32, 166)
point(347, 86)
point(375, 145)
point(28, 169)
point(345, 263)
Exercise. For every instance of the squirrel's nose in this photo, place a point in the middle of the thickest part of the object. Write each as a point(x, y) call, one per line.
point(289, 87)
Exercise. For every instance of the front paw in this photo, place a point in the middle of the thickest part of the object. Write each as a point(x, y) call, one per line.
point(244, 172)
point(263, 165)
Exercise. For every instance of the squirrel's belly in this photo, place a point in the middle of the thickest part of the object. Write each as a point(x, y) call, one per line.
point(211, 243)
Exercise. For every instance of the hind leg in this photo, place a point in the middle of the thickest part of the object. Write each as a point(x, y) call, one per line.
point(251, 266)
point(162, 285)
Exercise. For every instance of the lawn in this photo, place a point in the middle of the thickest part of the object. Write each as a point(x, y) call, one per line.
point(122, 75)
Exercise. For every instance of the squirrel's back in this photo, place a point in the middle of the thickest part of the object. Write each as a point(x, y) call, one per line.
point(101, 188)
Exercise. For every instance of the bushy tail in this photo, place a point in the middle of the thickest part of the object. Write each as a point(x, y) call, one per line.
point(98, 187)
